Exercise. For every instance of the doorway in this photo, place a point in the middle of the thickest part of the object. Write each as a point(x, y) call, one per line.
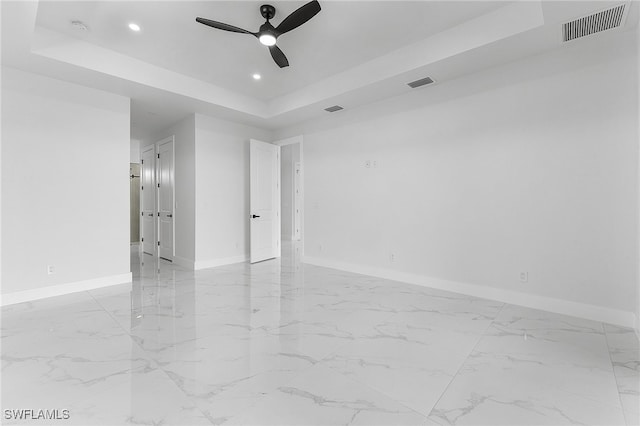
point(292, 197)
point(287, 232)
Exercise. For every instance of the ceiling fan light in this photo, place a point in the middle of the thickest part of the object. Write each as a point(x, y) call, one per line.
point(267, 39)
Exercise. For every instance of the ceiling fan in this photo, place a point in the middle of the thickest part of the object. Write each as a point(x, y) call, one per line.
point(267, 33)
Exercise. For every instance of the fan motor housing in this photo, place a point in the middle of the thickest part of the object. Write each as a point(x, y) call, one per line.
point(267, 11)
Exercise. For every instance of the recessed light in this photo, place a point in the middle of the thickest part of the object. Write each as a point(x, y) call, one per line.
point(257, 76)
point(134, 27)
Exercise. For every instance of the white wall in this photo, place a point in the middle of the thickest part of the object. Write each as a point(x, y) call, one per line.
point(185, 184)
point(222, 189)
point(134, 156)
point(529, 167)
point(65, 161)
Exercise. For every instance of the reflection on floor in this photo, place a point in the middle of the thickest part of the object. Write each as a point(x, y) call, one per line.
point(281, 342)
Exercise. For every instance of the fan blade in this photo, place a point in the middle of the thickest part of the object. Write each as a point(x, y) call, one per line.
point(221, 26)
point(278, 56)
point(298, 17)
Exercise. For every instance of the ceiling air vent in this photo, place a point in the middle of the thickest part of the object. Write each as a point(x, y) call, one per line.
point(333, 108)
point(421, 82)
point(595, 23)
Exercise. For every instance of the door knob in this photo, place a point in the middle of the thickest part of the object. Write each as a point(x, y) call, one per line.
point(253, 216)
point(150, 214)
point(169, 215)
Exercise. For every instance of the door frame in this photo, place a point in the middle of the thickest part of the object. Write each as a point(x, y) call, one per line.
point(290, 141)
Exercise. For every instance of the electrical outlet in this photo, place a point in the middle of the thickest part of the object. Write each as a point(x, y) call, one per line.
point(319, 248)
point(374, 163)
point(392, 257)
point(51, 270)
point(524, 277)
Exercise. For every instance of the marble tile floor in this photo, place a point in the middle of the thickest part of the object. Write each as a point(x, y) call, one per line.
point(284, 343)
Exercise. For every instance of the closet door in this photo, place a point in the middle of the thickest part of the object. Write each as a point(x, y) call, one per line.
point(148, 200)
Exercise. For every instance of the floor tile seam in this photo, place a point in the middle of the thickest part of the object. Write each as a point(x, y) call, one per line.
point(480, 337)
point(197, 401)
point(613, 371)
point(274, 391)
point(564, 391)
point(321, 362)
point(624, 350)
point(189, 398)
point(549, 387)
point(379, 391)
point(110, 315)
point(351, 342)
point(153, 362)
point(198, 404)
point(371, 389)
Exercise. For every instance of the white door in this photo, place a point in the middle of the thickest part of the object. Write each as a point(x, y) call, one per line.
point(148, 200)
point(264, 214)
point(165, 199)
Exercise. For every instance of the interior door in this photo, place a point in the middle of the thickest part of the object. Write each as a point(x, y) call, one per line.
point(264, 215)
point(148, 197)
point(165, 168)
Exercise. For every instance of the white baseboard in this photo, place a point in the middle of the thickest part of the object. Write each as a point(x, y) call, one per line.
point(185, 263)
point(62, 289)
point(212, 263)
point(560, 306)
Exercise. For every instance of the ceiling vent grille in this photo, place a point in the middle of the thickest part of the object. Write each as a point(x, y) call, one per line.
point(595, 23)
point(333, 108)
point(421, 82)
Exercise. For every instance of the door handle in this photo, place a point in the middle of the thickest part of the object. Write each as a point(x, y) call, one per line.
point(150, 214)
point(253, 216)
point(169, 215)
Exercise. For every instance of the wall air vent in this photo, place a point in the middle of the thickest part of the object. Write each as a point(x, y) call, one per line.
point(421, 82)
point(333, 108)
point(595, 23)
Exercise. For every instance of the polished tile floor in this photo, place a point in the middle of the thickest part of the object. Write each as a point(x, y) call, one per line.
point(283, 343)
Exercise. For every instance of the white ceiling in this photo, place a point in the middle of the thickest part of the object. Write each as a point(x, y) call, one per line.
point(341, 36)
point(351, 53)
